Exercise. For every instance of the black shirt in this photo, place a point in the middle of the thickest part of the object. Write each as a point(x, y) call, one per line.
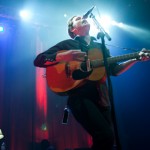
point(95, 89)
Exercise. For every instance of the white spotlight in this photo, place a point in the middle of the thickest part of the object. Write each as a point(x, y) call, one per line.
point(114, 23)
point(106, 21)
point(25, 14)
point(1, 134)
point(120, 24)
point(65, 15)
point(1, 28)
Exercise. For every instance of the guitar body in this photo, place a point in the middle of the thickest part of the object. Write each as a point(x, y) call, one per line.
point(57, 79)
point(59, 76)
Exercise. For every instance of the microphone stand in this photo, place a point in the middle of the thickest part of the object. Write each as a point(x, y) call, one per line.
point(101, 34)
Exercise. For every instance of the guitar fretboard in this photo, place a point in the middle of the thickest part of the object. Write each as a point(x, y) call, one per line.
point(99, 62)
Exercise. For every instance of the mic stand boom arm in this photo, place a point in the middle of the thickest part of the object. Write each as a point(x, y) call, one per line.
point(101, 34)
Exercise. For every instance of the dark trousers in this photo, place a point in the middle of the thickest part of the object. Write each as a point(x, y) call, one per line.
point(95, 120)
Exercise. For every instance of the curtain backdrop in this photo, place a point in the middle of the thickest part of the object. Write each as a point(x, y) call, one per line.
point(30, 114)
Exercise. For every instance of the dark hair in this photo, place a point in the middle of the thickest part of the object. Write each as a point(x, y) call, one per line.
point(70, 27)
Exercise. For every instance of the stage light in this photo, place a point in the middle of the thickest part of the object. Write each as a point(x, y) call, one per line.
point(1, 134)
point(106, 21)
point(138, 32)
point(93, 28)
point(114, 23)
point(44, 127)
point(65, 15)
point(1, 29)
point(118, 24)
point(25, 14)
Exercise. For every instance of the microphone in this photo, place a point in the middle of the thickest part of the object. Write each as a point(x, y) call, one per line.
point(87, 13)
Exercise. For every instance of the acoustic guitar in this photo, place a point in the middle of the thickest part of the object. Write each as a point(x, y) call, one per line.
point(65, 76)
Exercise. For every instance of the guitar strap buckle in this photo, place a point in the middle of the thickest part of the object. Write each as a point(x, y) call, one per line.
point(65, 116)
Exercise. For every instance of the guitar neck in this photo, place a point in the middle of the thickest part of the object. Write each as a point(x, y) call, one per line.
point(99, 62)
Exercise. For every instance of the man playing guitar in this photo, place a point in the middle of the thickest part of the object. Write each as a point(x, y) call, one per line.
point(75, 67)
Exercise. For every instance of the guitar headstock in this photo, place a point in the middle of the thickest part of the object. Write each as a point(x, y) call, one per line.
point(144, 54)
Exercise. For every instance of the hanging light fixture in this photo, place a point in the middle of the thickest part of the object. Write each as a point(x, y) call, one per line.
point(1, 134)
